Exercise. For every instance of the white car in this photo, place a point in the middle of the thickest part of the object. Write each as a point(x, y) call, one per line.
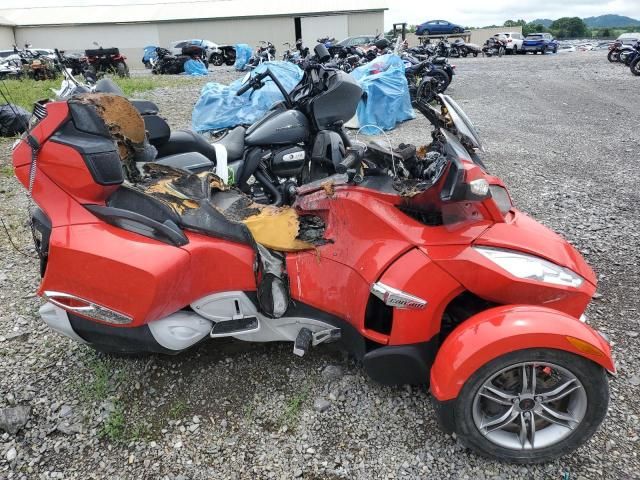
point(514, 40)
point(629, 38)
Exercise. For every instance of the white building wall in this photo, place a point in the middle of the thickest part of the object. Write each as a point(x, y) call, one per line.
point(131, 38)
point(6, 37)
point(128, 38)
point(366, 23)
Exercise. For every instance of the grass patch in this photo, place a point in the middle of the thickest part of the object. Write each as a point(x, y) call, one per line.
point(26, 92)
point(6, 171)
point(99, 385)
point(178, 409)
point(293, 408)
point(125, 427)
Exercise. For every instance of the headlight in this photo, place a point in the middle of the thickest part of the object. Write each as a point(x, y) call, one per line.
point(526, 266)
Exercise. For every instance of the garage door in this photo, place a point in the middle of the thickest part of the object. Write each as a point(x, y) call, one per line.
point(313, 28)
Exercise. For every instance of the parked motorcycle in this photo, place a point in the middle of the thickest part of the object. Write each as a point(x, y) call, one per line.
point(265, 52)
point(169, 64)
point(223, 54)
point(418, 265)
point(106, 60)
point(634, 59)
point(462, 49)
point(11, 68)
point(628, 56)
point(494, 46)
point(618, 49)
point(36, 66)
point(297, 54)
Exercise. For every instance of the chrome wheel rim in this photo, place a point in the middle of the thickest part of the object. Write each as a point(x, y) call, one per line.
point(529, 405)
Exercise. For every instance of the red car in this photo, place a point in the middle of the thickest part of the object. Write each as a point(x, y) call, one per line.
point(446, 283)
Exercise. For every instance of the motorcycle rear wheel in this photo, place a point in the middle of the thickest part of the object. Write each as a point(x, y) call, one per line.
point(635, 66)
point(613, 56)
point(122, 70)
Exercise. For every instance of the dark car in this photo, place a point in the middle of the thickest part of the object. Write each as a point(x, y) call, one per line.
point(540, 43)
point(437, 27)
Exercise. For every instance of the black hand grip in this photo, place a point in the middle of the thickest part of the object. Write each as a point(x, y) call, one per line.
point(244, 88)
point(349, 162)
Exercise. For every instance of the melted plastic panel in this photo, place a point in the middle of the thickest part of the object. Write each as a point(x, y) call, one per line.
point(205, 204)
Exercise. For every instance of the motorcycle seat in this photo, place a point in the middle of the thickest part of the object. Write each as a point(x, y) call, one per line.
point(416, 68)
point(191, 161)
point(184, 141)
point(439, 60)
point(234, 143)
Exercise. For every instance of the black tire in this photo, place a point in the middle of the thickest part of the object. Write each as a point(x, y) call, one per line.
point(555, 49)
point(635, 66)
point(122, 70)
point(475, 54)
point(230, 61)
point(425, 92)
point(593, 379)
point(613, 56)
point(501, 51)
point(216, 59)
point(425, 32)
point(442, 77)
point(514, 50)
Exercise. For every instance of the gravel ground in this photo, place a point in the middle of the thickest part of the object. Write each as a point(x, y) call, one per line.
point(562, 131)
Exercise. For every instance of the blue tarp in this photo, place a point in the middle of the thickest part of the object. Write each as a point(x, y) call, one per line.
point(243, 54)
point(149, 53)
point(387, 99)
point(218, 106)
point(195, 68)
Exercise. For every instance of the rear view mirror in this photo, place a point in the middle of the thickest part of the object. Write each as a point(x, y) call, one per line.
point(322, 53)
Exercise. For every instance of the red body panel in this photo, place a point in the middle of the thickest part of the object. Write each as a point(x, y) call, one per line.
point(370, 240)
point(126, 272)
point(417, 275)
point(495, 332)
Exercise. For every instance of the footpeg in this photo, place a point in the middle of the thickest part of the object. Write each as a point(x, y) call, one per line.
point(326, 336)
point(229, 328)
point(302, 342)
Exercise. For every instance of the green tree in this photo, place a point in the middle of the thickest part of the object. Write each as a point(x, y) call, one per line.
point(530, 28)
point(514, 23)
point(569, 27)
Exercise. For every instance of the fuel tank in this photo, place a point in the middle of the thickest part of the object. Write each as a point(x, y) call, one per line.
point(278, 128)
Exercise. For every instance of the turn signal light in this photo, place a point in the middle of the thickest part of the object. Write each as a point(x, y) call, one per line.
point(584, 347)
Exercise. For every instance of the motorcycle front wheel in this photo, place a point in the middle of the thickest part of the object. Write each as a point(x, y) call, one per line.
point(442, 77)
point(532, 406)
point(426, 91)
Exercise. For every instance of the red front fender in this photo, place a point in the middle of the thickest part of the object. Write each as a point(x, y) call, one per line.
point(497, 331)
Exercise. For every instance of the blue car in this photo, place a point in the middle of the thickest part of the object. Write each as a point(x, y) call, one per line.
point(438, 27)
point(540, 43)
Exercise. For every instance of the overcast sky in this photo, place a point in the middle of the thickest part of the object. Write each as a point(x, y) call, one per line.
point(472, 13)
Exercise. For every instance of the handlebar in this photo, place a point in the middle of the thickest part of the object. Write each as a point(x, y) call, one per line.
point(351, 161)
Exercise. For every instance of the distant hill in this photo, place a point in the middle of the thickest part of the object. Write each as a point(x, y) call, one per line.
point(542, 21)
point(610, 21)
point(602, 21)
